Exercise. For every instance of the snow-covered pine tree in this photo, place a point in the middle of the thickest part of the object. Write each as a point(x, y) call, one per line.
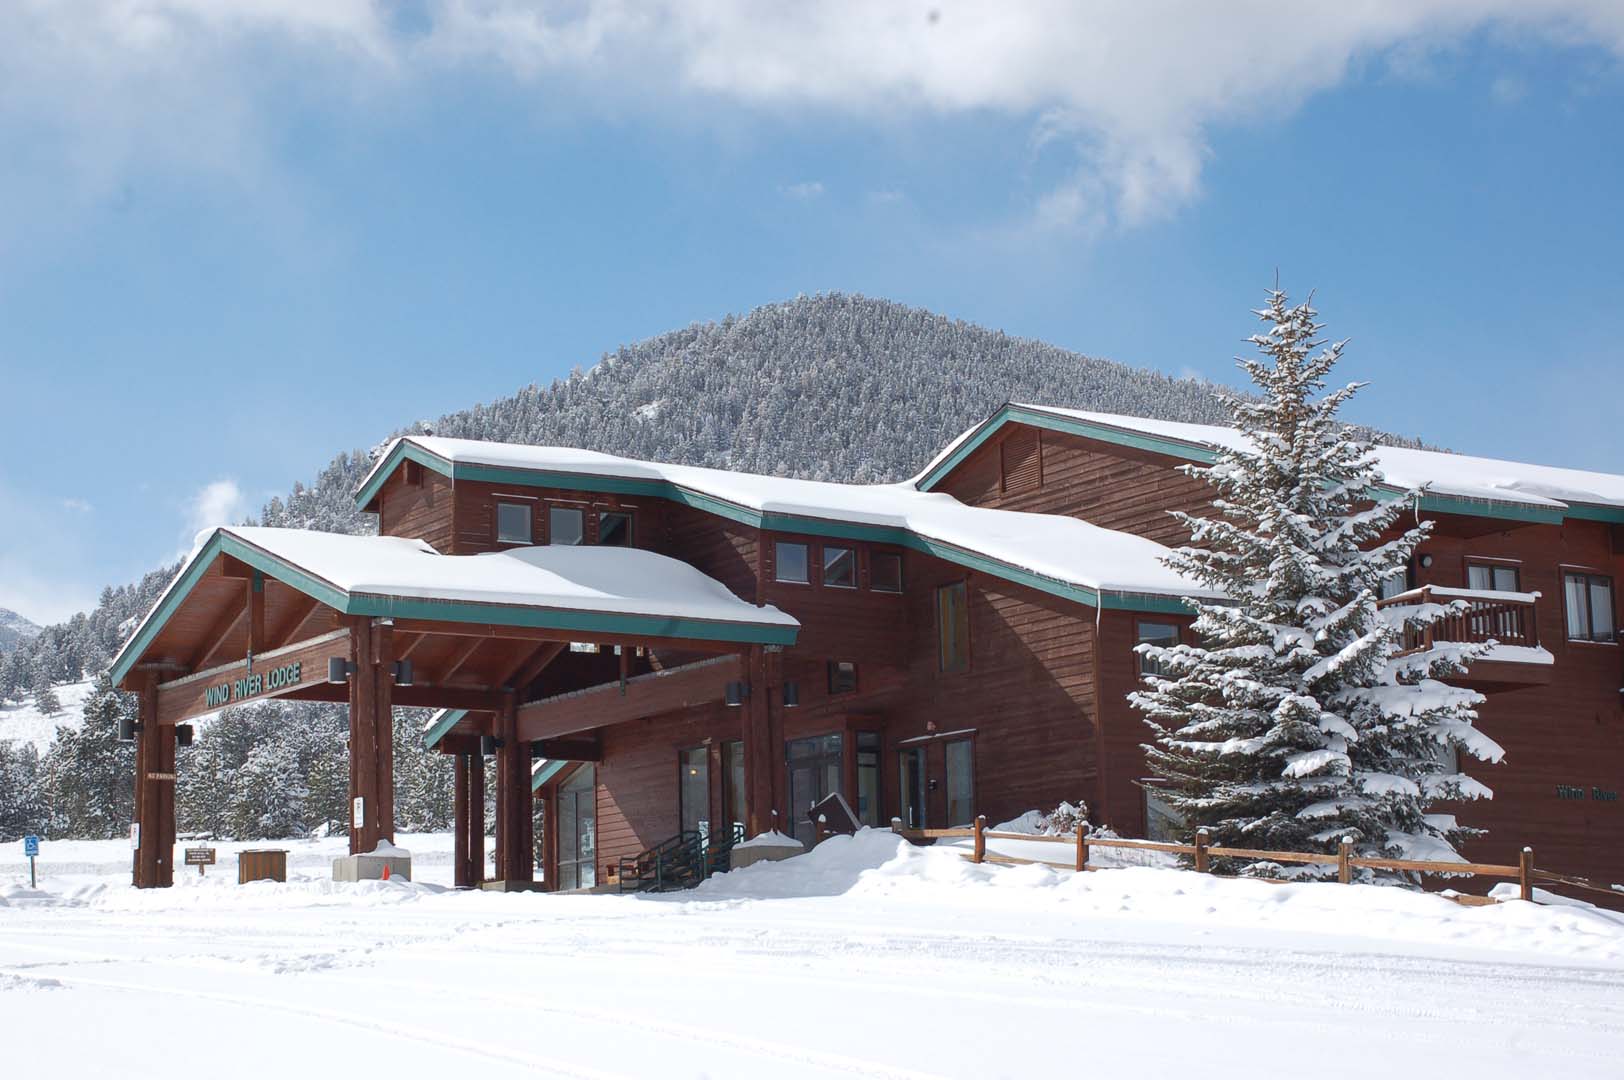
point(1300, 718)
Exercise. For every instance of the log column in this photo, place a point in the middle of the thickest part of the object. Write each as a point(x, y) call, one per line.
point(459, 821)
point(515, 850)
point(756, 731)
point(154, 793)
point(372, 750)
point(476, 818)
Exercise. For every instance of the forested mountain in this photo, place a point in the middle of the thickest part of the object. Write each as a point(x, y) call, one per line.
point(829, 387)
point(14, 629)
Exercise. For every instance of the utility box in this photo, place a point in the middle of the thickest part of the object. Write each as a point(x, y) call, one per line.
point(384, 862)
point(265, 864)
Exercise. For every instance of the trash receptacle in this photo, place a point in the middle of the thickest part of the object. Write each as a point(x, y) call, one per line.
point(264, 864)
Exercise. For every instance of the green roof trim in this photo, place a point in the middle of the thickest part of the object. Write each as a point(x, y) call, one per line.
point(660, 488)
point(546, 773)
point(446, 720)
point(1508, 510)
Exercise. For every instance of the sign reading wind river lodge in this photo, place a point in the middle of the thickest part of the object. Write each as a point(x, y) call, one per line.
point(252, 684)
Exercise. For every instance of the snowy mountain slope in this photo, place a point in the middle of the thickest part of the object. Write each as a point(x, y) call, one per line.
point(28, 723)
point(14, 630)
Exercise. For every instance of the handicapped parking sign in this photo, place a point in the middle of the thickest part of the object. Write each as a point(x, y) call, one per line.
point(30, 846)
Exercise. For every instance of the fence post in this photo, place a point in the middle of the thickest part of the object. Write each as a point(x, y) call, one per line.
point(1082, 850)
point(896, 825)
point(1525, 872)
point(822, 832)
point(981, 839)
point(1201, 851)
point(1344, 861)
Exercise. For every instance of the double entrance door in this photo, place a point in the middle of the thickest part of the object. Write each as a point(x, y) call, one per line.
point(936, 784)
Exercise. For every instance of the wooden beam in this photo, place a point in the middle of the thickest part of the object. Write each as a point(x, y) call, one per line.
point(408, 644)
point(588, 749)
point(256, 614)
point(271, 675)
point(531, 664)
point(645, 695)
point(425, 697)
point(217, 635)
point(527, 633)
point(459, 658)
point(303, 608)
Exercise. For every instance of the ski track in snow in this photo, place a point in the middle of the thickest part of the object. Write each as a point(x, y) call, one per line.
point(910, 973)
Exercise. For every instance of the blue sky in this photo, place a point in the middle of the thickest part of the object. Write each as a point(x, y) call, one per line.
point(236, 238)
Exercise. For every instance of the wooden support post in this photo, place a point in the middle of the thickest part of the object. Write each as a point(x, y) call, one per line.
point(154, 793)
point(1344, 861)
point(1525, 873)
point(756, 731)
point(363, 740)
point(476, 818)
point(1082, 848)
point(383, 672)
point(1201, 861)
point(256, 613)
point(515, 850)
point(980, 848)
point(459, 821)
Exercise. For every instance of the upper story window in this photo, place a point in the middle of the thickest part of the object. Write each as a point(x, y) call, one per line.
point(1396, 582)
point(565, 525)
point(790, 562)
point(1493, 577)
point(1588, 599)
point(953, 627)
point(513, 523)
point(885, 572)
point(842, 676)
point(839, 567)
point(1165, 635)
point(614, 528)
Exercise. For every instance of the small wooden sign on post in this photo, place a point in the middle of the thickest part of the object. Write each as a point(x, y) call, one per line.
point(200, 857)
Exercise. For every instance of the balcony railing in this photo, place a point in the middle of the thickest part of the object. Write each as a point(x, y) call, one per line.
point(1508, 618)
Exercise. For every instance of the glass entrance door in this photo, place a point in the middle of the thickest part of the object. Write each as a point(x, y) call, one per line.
point(911, 789)
point(693, 790)
point(815, 768)
point(578, 830)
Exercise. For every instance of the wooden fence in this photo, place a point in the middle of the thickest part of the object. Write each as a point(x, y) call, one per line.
point(1202, 853)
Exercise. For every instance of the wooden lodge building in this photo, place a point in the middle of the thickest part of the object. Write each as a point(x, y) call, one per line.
point(648, 648)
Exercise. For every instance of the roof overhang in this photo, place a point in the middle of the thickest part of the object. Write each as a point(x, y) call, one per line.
point(567, 620)
point(1204, 454)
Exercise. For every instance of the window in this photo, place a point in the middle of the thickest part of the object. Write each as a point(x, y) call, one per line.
point(868, 777)
point(961, 783)
point(1588, 599)
point(839, 567)
point(1395, 583)
point(565, 525)
point(1493, 577)
point(911, 787)
point(614, 529)
point(578, 829)
point(733, 773)
point(885, 572)
point(953, 627)
point(512, 523)
point(693, 790)
point(1164, 635)
point(790, 562)
point(842, 676)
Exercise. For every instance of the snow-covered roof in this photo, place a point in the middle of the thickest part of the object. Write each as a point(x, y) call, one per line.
point(1052, 547)
point(1458, 475)
point(615, 589)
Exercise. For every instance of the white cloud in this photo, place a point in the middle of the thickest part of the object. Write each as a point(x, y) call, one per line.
point(78, 506)
point(1508, 89)
point(806, 189)
point(98, 89)
point(217, 503)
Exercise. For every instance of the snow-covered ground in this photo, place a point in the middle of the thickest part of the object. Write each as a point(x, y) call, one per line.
point(865, 957)
point(27, 723)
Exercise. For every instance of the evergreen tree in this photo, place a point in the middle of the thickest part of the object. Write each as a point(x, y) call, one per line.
point(1301, 718)
point(22, 794)
point(89, 774)
point(46, 701)
point(268, 793)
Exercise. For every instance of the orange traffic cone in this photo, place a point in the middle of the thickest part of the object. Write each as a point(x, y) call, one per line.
point(386, 871)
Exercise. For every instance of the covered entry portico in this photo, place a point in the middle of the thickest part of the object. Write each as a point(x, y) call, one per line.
point(380, 621)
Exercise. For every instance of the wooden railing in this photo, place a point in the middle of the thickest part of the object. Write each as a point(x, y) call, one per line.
point(1202, 853)
point(1506, 618)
